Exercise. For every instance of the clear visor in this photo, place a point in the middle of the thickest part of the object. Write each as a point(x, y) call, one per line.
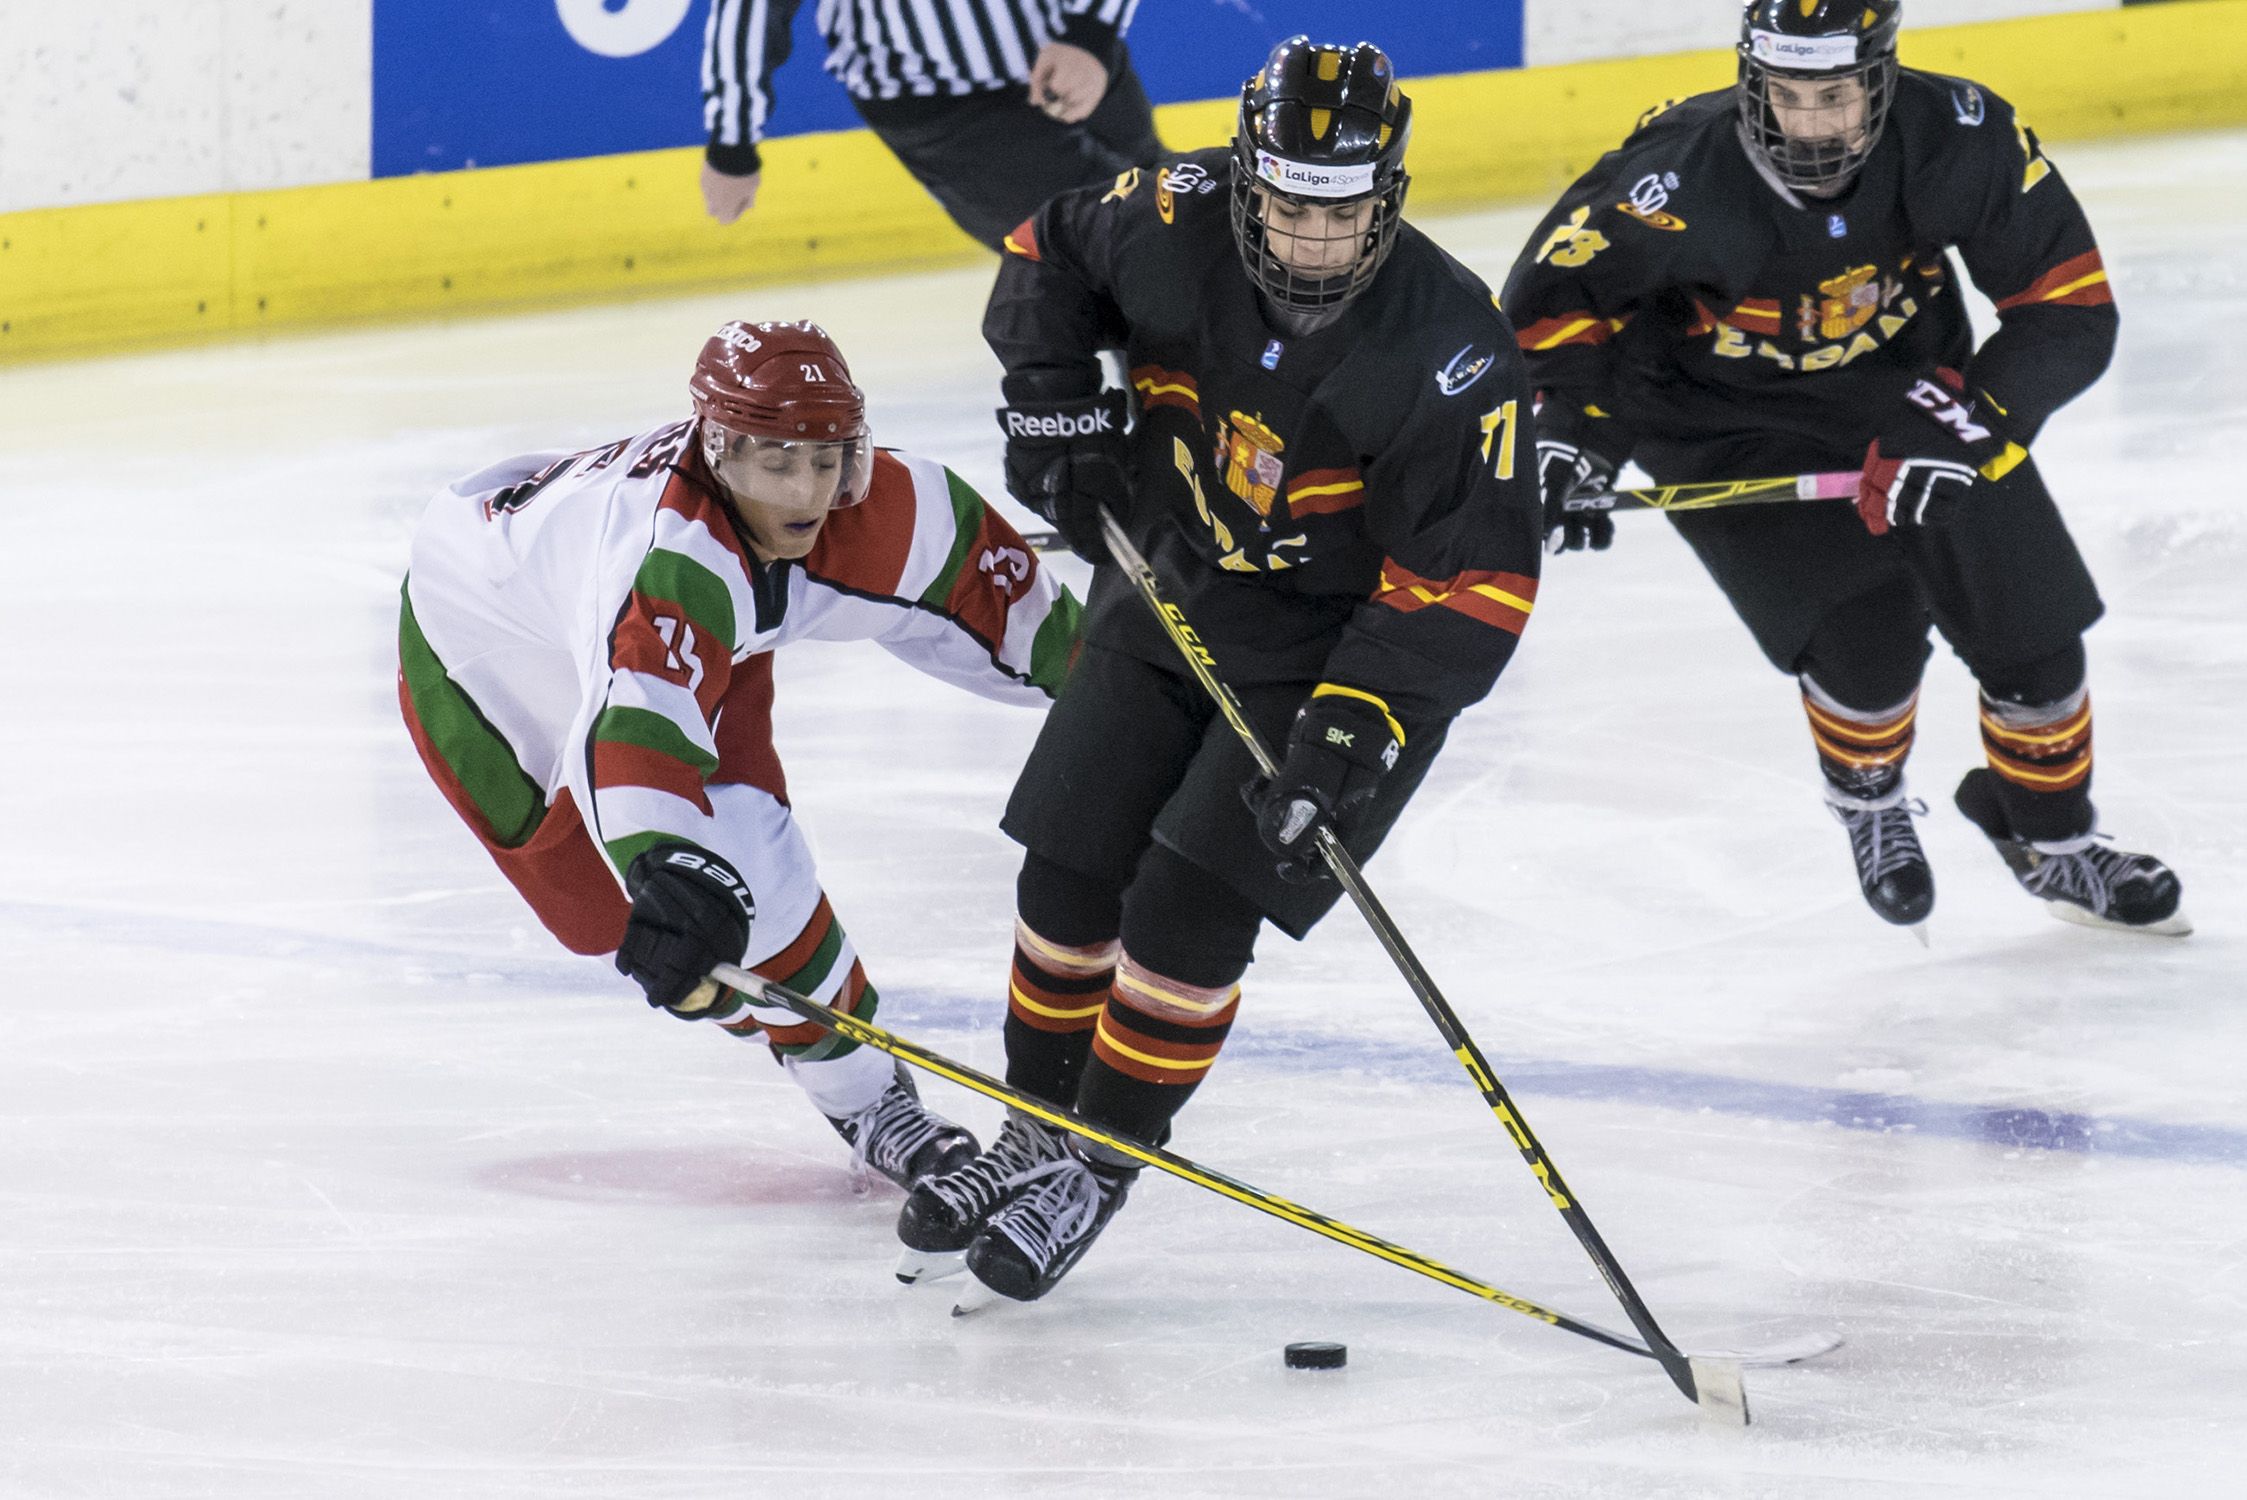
point(798, 477)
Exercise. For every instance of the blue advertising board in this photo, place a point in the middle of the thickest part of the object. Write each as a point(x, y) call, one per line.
point(468, 83)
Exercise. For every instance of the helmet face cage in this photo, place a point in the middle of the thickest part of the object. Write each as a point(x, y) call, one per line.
point(787, 473)
point(1820, 163)
point(1312, 291)
point(1320, 128)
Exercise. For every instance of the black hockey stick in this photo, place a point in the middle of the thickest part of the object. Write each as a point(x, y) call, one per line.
point(1722, 494)
point(1717, 1381)
point(1431, 999)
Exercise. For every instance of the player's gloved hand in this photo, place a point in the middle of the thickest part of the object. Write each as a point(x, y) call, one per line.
point(1571, 480)
point(1066, 457)
point(1940, 442)
point(690, 912)
point(1340, 747)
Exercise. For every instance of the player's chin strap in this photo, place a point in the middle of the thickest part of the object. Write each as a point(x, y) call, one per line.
point(1431, 999)
point(1721, 494)
point(1717, 1376)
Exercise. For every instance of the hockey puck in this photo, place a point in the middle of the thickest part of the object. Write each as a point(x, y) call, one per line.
point(1316, 1356)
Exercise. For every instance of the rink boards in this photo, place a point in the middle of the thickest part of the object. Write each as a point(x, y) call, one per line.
point(102, 276)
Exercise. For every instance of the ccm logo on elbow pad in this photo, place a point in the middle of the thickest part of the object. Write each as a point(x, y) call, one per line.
point(1059, 424)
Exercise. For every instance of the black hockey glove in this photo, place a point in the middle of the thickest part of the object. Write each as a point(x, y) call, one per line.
point(1570, 480)
point(1066, 457)
point(1337, 752)
point(690, 912)
point(1930, 454)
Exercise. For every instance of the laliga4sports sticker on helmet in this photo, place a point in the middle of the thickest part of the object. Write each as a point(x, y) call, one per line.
point(1304, 179)
point(1803, 54)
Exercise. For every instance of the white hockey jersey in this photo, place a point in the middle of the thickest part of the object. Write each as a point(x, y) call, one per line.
point(581, 621)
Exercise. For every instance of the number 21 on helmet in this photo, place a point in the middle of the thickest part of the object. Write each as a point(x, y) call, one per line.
point(781, 421)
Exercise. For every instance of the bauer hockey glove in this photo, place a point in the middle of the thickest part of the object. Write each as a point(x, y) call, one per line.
point(1342, 744)
point(1571, 480)
point(690, 913)
point(1066, 457)
point(1943, 440)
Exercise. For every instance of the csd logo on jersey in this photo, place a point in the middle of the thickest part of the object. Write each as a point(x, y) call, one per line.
point(1249, 454)
point(1649, 198)
point(1180, 178)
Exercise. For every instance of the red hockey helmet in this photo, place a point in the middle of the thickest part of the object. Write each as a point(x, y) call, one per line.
point(781, 389)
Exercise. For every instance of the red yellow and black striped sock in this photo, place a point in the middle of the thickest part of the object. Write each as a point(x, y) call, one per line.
point(2041, 754)
point(1861, 753)
point(1054, 998)
point(1154, 1044)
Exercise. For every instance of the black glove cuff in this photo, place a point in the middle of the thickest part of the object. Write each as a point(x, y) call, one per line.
point(691, 867)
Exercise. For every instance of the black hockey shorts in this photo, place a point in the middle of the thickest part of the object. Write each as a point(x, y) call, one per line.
point(992, 160)
point(2002, 580)
point(1133, 754)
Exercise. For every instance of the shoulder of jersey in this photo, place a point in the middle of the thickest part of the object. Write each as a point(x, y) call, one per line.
point(1954, 103)
point(1674, 121)
point(1451, 335)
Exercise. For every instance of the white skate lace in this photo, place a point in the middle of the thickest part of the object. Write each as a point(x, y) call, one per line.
point(1014, 1158)
point(2087, 876)
point(888, 1132)
point(1062, 1206)
point(1882, 839)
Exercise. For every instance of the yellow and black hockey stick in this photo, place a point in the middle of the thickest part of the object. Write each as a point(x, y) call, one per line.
point(1345, 869)
point(1717, 1378)
point(1720, 494)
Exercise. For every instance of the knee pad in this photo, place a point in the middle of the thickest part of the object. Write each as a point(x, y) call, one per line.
point(1185, 924)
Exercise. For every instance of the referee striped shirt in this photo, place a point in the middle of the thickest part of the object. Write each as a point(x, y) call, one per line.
point(886, 50)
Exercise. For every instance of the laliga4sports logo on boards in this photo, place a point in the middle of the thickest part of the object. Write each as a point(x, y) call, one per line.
point(621, 28)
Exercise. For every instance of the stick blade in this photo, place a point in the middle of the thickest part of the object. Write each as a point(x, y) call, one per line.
point(1721, 1390)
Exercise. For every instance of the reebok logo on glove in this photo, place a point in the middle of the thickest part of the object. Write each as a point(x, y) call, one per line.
point(1021, 424)
point(1947, 409)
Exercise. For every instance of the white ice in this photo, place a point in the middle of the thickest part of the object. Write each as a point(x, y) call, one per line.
point(324, 1172)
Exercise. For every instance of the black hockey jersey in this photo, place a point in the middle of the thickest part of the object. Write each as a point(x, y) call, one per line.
point(1357, 505)
point(1679, 305)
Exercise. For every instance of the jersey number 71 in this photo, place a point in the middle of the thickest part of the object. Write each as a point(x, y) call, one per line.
point(1498, 425)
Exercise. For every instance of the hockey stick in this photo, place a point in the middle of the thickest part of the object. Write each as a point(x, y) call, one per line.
point(1720, 1392)
point(1722, 494)
point(1431, 999)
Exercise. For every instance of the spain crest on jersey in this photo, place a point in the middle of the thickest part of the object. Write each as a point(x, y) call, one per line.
point(1844, 304)
point(1248, 453)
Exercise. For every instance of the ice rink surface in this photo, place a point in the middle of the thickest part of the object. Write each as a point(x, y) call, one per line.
point(324, 1172)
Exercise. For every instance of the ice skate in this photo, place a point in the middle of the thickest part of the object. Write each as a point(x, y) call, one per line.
point(944, 1212)
point(1891, 868)
point(898, 1137)
point(1060, 1209)
point(2083, 880)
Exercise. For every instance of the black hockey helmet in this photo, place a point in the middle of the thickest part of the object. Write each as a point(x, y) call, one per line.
point(1320, 126)
point(1817, 42)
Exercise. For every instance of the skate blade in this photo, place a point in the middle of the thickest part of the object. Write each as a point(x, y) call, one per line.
point(917, 1266)
point(973, 1298)
point(1919, 930)
point(1719, 1390)
point(2176, 924)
